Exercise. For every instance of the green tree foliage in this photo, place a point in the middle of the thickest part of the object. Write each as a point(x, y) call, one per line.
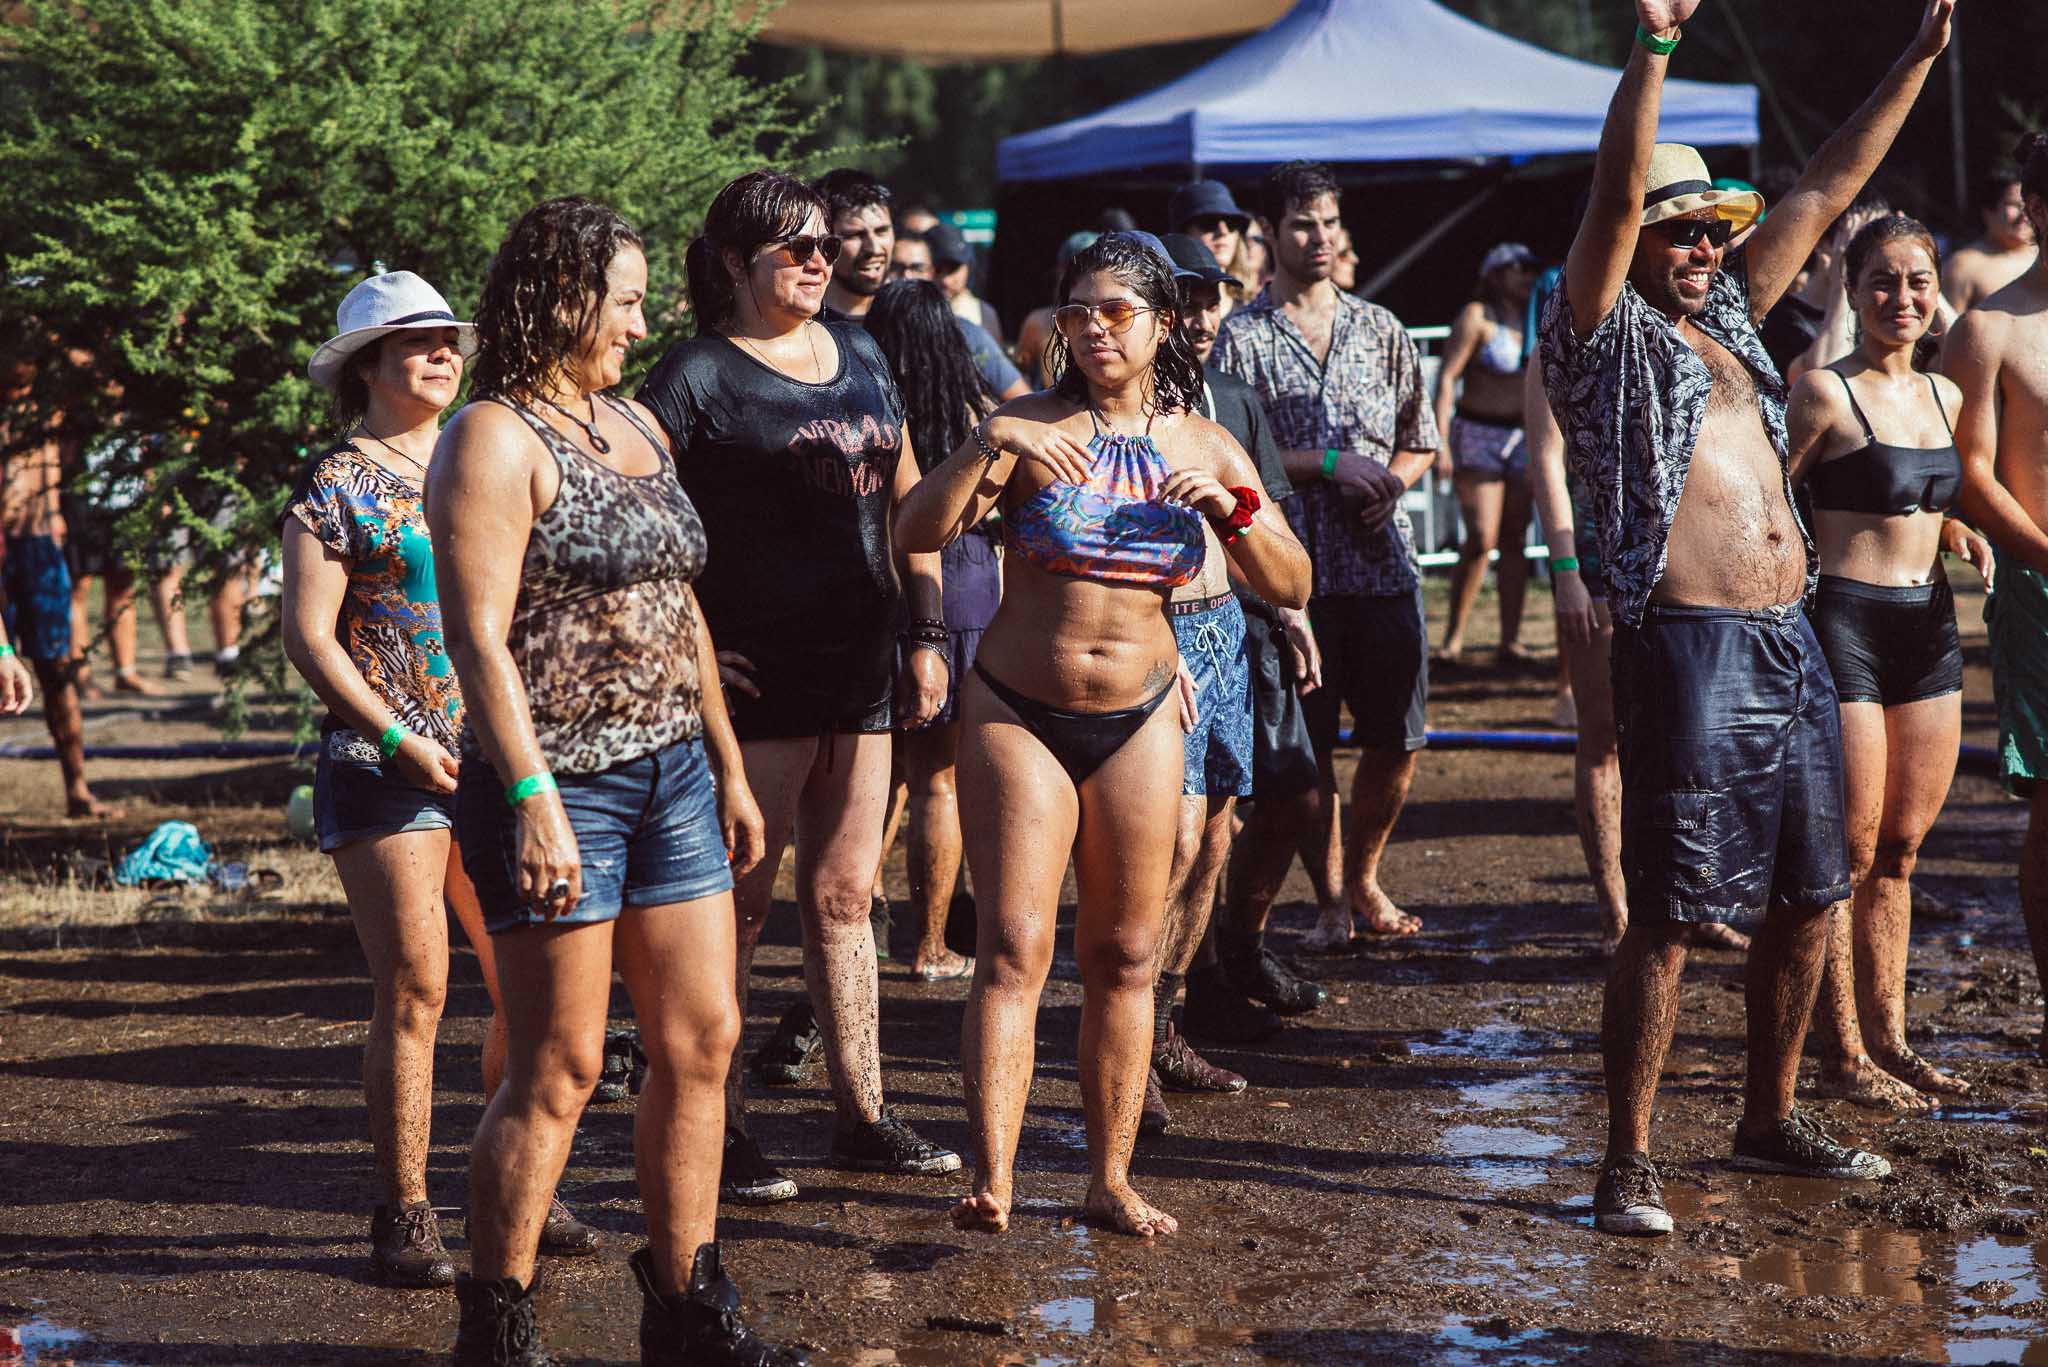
point(192, 185)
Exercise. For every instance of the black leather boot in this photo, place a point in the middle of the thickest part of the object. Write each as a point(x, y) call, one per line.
point(498, 1325)
point(700, 1326)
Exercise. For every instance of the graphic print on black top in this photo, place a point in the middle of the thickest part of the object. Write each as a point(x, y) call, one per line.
point(793, 481)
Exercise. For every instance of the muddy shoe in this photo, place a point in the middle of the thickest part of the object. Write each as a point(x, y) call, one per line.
point(1797, 1147)
point(1153, 1117)
point(625, 1066)
point(405, 1247)
point(565, 1236)
point(1217, 1013)
point(785, 1056)
point(747, 1176)
point(1178, 1068)
point(889, 1145)
point(498, 1326)
point(1252, 969)
point(1628, 1199)
point(700, 1325)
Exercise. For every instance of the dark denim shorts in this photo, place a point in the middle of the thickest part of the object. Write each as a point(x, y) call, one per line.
point(1731, 765)
point(1210, 635)
point(646, 830)
point(1283, 756)
point(356, 796)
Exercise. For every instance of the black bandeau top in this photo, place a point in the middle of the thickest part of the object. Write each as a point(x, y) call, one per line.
point(1886, 480)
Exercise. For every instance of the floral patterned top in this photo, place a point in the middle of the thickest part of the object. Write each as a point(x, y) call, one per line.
point(390, 622)
point(1631, 400)
point(1367, 395)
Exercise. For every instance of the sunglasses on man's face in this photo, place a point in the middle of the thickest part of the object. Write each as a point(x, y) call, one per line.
point(1115, 315)
point(802, 245)
point(1686, 232)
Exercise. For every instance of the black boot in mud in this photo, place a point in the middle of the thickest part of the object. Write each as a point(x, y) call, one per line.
point(700, 1326)
point(1628, 1199)
point(1254, 971)
point(1153, 1117)
point(498, 1325)
point(406, 1249)
point(562, 1235)
point(625, 1066)
point(1217, 1013)
point(1180, 1069)
point(1796, 1147)
point(785, 1056)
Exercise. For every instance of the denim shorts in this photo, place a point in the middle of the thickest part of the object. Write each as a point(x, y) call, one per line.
point(356, 796)
point(1210, 634)
point(1731, 765)
point(646, 831)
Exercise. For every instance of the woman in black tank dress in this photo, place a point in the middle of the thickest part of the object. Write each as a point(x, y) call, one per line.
point(601, 808)
point(1872, 440)
point(790, 438)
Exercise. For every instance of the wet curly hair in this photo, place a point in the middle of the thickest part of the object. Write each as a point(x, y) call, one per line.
point(542, 293)
point(1176, 372)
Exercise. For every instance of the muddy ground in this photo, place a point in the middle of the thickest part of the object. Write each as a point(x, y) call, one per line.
point(184, 1176)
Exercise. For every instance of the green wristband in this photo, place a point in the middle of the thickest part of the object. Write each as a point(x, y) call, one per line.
point(1661, 46)
point(393, 737)
point(542, 782)
point(1329, 462)
point(1559, 564)
point(5, 650)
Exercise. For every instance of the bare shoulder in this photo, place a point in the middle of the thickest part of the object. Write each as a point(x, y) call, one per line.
point(1951, 393)
point(1819, 400)
point(1042, 405)
point(1979, 335)
point(646, 415)
point(1204, 444)
point(485, 439)
point(1471, 318)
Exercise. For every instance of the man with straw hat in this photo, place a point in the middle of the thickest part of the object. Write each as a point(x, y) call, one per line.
point(1730, 739)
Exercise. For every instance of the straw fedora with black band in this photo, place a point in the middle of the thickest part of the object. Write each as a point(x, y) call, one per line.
point(397, 301)
point(1678, 184)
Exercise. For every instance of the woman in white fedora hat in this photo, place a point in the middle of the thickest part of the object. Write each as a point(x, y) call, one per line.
point(362, 624)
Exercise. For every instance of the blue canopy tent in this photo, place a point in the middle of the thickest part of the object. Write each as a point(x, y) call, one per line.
point(1368, 81)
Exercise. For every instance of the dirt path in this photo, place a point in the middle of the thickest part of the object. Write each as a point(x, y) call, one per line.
point(186, 1180)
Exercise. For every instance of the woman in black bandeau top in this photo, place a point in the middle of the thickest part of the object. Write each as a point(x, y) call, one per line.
point(602, 808)
point(1872, 439)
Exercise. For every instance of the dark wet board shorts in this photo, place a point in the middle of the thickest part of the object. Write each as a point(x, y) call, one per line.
point(1283, 756)
point(357, 796)
point(37, 582)
point(1375, 662)
point(1731, 765)
point(646, 831)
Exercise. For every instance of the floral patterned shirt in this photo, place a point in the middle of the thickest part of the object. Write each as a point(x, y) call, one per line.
point(1631, 400)
point(1367, 396)
point(390, 622)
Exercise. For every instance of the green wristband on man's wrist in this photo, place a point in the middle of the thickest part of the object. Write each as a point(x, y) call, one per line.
point(1564, 564)
point(1330, 463)
point(1660, 46)
point(5, 650)
point(542, 782)
point(393, 737)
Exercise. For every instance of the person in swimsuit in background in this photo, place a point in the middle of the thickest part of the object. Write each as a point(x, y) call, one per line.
point(1104, 481)
point(1887, 624)
point(1486, 456)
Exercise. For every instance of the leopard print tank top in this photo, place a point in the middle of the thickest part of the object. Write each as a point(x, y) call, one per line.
point(605, 629)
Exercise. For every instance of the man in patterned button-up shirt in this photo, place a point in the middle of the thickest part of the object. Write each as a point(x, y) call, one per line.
point(1343, 391)
point(1730, 735)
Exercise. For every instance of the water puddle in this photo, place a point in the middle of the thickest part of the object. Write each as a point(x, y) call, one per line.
point(39, 1343)
point(1501, 1156)
point(1495, 1041)
point(1487, 1343)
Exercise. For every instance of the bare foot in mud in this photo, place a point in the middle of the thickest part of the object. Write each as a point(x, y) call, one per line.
point(1126, 1212)
point(1377, 913)
point(1916, 1071)
point(1332, 934)
point(86, 805)
point(1714, 935)
point(985, 1211)
point(1866, 1084)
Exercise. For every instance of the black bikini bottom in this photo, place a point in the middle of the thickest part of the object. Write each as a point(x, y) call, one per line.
point(1080, 741)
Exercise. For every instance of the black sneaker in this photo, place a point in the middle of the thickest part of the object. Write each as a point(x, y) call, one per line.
point(625, 1066)
point(1217, 1013)
point(562, 1235)
point(1628, 1199)
point(406, 1249)
point(746, 1176)
point(785, 1056)
point(889, 1145)
point(1153, 1117)
point(699, 1325)
point(1795, 1146)
point(1253, 970)
point(498, 1327)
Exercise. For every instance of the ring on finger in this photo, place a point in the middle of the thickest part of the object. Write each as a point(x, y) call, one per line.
point(558, 890)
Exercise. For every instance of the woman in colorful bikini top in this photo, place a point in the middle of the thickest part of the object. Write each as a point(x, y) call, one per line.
point(1102, 481)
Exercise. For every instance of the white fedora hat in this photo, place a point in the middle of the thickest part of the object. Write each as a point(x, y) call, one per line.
point(1678, 184)
point(397, 301)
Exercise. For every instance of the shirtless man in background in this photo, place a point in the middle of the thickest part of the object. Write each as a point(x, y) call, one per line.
point(1998, 354)
point(1730, 737)
point(2002, 254)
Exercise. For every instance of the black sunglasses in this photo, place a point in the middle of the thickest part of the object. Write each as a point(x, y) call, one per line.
point(1687, 232)
point(801, 245)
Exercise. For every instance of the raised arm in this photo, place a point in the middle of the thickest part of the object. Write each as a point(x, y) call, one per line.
point(1597, 267)
point(961, 490)
point(1972, 358)
point(1842, 167)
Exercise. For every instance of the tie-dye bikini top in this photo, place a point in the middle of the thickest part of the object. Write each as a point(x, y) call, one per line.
point(1113, 527)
